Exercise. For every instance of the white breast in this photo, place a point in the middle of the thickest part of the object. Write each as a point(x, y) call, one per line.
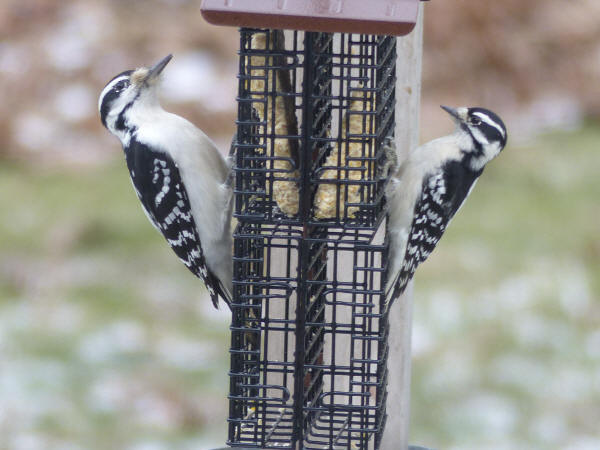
point(405, 190)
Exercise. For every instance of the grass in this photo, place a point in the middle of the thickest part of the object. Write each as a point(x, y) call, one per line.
point(107, 341)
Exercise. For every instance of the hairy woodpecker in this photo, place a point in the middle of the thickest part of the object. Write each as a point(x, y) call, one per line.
point(178, 174)
point(431, 186)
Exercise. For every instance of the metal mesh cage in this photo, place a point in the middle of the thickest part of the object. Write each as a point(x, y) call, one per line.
point(309, 334)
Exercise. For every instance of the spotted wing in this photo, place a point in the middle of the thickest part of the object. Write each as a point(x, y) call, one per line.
point(157, 182)
point(442, 195)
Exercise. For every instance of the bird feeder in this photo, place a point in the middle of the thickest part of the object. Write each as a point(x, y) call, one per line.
point(309, 330)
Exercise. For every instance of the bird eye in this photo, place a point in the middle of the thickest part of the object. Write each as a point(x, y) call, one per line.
point(121, 85)
point(475, 120)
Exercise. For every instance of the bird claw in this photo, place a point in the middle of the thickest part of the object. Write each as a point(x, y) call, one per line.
point(390, 164)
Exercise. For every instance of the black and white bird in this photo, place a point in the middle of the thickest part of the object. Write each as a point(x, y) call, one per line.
point(178, 174)
point(431, 185)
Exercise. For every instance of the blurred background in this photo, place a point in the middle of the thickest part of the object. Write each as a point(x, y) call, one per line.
point(107, 341)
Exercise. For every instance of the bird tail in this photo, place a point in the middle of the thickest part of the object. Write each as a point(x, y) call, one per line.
point(394, 289)
point(226, 294)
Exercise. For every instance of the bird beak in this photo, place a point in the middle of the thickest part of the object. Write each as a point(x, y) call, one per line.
point(157, 68)
point(459, 114)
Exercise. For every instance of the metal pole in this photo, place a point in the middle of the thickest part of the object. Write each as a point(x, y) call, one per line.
point(408, 93)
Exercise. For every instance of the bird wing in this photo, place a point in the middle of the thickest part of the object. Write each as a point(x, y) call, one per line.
point(442, 194)
point(157, 182)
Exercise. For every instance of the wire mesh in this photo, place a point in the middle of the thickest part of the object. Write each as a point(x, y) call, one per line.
point(308, 333)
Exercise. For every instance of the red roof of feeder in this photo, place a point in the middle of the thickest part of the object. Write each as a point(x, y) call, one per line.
point(391, 17)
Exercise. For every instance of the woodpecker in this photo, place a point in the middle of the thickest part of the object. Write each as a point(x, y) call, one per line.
point(178, 174)
point(432, 184)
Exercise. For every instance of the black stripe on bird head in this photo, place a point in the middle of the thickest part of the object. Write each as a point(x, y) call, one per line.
point(111, 92)
point(489, 124)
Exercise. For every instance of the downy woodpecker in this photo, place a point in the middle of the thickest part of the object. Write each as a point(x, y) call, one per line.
point(178, 174)
point(431, 185)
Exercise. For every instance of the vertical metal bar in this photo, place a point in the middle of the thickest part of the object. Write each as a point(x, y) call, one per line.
point(304, 211)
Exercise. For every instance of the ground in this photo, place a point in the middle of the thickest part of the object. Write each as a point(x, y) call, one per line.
point(108, 342)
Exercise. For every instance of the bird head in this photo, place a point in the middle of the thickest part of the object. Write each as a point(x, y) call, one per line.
point(481, 132)
point(126, 90)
